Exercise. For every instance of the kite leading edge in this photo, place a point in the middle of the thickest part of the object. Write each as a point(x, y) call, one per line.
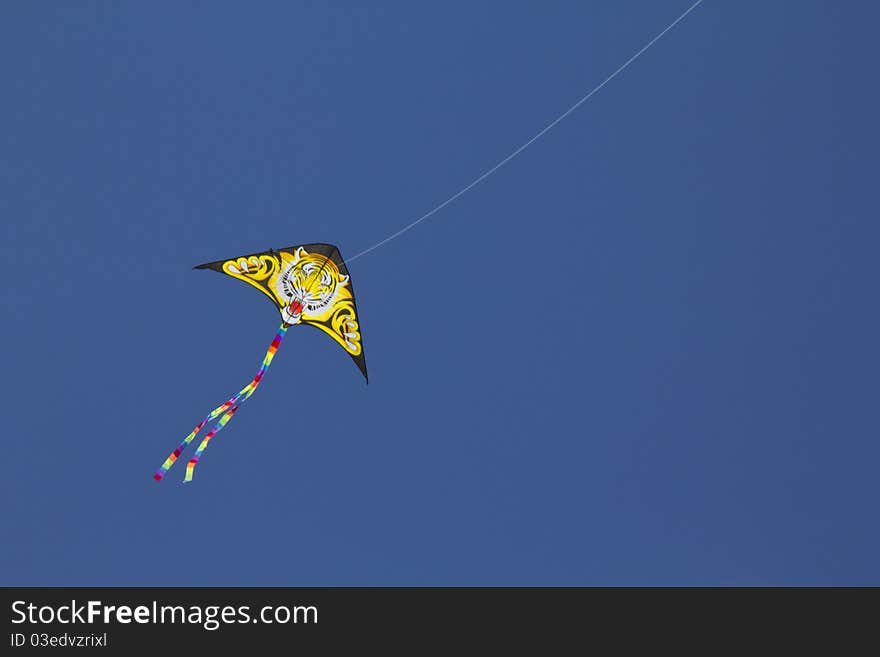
point(308, 284)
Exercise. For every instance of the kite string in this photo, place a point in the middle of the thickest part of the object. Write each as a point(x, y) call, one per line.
point(531, 141)
point(250, 389)
point(232, 402)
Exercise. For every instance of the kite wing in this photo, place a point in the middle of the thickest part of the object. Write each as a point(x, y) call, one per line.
point(308, 284)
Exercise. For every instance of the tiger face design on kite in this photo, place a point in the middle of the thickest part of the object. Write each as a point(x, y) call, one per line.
point(309, 284)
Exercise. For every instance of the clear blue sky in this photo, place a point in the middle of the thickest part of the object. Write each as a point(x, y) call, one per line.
point(644, 352)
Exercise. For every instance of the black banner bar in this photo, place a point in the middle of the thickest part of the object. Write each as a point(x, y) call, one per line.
point(133, 619)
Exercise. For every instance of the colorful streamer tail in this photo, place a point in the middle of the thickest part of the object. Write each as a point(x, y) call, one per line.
point(225, 411)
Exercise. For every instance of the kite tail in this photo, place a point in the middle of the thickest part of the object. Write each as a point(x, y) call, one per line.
point(191, 466)
point(226, 410)
point(186, 441)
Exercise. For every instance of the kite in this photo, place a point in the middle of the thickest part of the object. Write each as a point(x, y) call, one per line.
point(308, 284)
